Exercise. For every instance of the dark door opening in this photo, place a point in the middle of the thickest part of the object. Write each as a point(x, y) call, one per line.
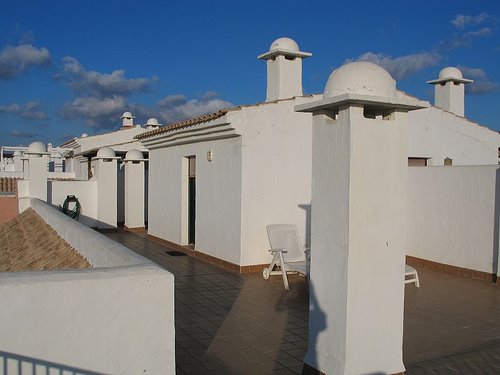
point(191, 199)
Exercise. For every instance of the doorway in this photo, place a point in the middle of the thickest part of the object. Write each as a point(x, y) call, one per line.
point(191, 199)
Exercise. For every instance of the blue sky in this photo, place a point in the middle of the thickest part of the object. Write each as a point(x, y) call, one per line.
point(69, 67)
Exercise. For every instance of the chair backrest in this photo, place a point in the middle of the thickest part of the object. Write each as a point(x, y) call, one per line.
point(286, 236)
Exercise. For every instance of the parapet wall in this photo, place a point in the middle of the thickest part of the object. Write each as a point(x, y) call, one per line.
point(115, 318)
point(453, 216)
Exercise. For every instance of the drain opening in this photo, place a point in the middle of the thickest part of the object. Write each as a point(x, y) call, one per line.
point(175, 253)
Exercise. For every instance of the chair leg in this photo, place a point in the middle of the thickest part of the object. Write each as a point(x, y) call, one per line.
point(283, 271)
point(268, 271)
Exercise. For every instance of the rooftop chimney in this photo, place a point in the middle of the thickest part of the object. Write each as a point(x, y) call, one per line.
point(284, 69)
point(127, 120)
point(449, 92)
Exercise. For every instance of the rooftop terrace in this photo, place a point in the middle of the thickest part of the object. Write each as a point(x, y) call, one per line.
point(228, 323)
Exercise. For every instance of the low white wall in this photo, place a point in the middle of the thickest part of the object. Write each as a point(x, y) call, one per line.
point(99, 250)
point(437, 134)
point(61, 175)
point(18, 174)
point(85, 191)
point(117, 318)
point(453, 215)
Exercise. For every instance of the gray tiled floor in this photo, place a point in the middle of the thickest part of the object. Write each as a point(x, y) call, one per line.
point(241, 324)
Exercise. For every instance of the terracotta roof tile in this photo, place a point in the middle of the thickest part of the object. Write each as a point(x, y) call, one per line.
point(28, 243)
point(8, 184)
point(207, 117)
point(183, 124)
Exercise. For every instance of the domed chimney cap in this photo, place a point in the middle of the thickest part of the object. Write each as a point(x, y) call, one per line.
point(362, 78)
point(284, 46)
point(450, 73)
point(134, 155)
point(153, 122)
point(36, 148)
point(127, 115)
point(106, 153)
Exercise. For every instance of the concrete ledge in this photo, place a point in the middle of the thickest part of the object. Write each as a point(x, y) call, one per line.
point(99, 250)
point(453, 270)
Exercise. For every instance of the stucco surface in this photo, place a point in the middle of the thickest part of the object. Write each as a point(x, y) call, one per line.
point(276, 174)
point(218, 194)
point(358, 243)
point(85, 191)
point(438, 134)
point(453, 215)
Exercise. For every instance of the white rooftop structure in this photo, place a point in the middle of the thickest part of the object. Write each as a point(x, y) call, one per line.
point(152, 123)
point(134, 155)
point(127, 120)
point(284, 69)
point(106, 153)
point(450, 90)
point(36, 148)
point(360, 78)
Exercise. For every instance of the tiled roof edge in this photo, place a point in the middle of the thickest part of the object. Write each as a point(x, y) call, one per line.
point(183, 124)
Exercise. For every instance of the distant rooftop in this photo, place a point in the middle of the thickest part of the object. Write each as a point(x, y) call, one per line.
point(28, 243)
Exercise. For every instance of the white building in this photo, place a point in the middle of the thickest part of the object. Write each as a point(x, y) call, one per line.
point(216, 181)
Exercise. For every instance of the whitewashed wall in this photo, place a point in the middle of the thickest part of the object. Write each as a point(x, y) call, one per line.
point(85, 191)
point(276, 177)
point(453, 215)
point(437, 134)
point(117, 318)
point(218, 191)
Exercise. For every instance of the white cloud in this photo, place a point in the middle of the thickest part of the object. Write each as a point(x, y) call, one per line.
point(96, 112)
point(461, 21)
point(22, 134)
point(172, 101)
point(177, 107)
point(96, 84)
point(482, 83)
point(485, 31)
point(403, 66)
point(30, 110)
point(16, 60)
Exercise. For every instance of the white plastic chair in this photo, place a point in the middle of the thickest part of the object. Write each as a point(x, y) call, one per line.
point(411, 275)
point(288, 252)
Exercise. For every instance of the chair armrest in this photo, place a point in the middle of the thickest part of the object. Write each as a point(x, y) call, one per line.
point(277, 250)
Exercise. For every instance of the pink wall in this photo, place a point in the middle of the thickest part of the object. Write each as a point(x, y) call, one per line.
point(8, 208)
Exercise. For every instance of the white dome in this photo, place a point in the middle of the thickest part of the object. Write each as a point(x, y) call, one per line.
point(106, 153)
point(450, 72)
point(360, 77)
point(284, 44)
point(127, 115)
point(153, 122)
point(36, 148)
point(85, 135)
point(134, 155)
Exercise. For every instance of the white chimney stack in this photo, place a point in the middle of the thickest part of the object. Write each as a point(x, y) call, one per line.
point(127, 120)
point(284, 69)
point(449, 92)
